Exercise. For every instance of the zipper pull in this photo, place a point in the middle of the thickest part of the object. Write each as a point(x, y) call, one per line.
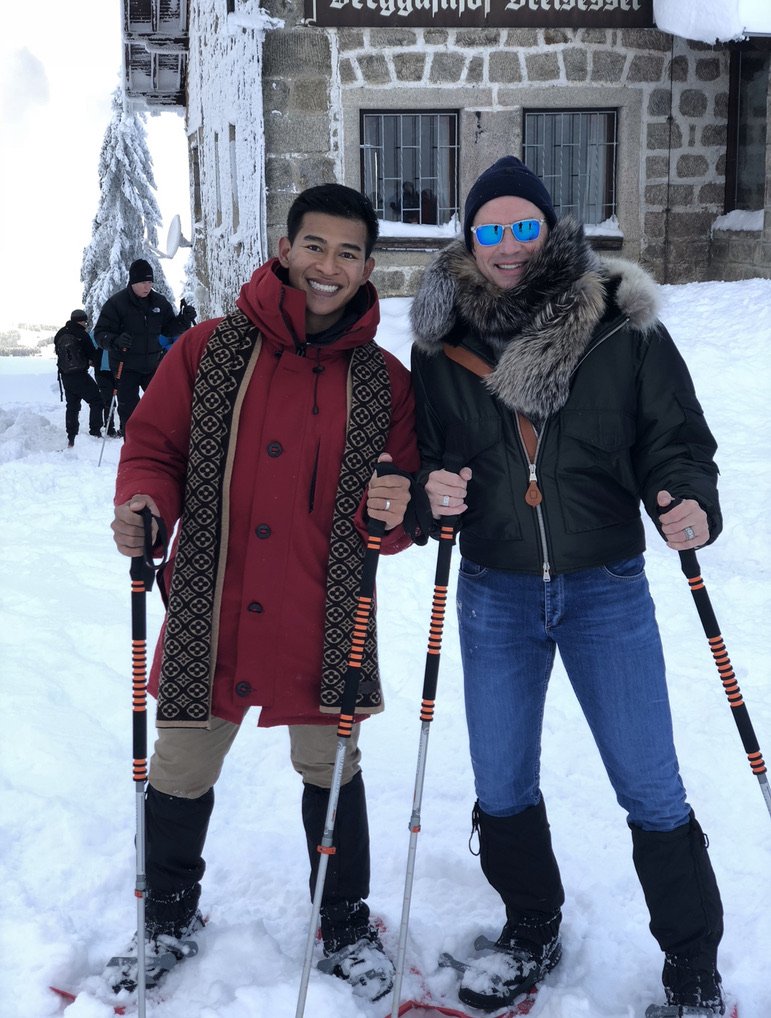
point(533, 494)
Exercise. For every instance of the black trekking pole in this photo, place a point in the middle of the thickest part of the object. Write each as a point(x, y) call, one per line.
point(375, 531)
point(113, 407)
point(430, 680)
point(690, 567)
point(143, 570)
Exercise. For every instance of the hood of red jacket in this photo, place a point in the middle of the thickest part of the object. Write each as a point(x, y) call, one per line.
point(278, 310)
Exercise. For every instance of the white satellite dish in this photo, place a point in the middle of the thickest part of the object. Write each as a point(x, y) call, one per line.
point(175, 240)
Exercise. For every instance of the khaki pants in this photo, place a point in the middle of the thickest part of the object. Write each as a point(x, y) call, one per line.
point(187, 762)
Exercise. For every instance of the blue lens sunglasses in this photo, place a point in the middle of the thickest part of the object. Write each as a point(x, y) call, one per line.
point(524, 231)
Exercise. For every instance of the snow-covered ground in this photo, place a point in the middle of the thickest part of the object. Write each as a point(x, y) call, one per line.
point(68, 797)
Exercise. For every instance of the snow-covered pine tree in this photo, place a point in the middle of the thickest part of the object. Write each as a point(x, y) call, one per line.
point(127, 219)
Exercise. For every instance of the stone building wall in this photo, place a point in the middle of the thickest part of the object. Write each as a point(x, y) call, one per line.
point(672, 97)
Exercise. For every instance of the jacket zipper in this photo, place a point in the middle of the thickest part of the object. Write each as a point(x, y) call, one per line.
point(534, 498)
point(533, 494)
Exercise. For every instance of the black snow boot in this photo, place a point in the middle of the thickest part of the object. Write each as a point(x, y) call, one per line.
point(510, 966)
point(517, 859)
point(686, 916)
point(352, 947)
point(175, 832)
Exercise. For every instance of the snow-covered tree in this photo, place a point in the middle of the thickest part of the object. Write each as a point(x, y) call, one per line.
point(127, 219)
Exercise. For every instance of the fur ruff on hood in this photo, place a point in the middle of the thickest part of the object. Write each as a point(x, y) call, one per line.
point(539, 330)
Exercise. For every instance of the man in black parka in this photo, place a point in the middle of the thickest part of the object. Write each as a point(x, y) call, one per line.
point(129, 326)
point(551, 403)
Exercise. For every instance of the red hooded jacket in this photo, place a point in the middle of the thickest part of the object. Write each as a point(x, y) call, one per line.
point(282, 495)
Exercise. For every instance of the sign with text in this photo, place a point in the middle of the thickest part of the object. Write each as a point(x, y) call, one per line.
point(480, 13)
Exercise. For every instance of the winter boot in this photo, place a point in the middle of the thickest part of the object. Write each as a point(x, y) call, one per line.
point(162, 952)
point(175, 834)
point(521, 956)
point(686, 916)
point(352, 947)
point(353, 951)
point(518, 861)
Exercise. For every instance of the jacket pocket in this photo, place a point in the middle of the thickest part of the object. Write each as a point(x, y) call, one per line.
point(595, 474)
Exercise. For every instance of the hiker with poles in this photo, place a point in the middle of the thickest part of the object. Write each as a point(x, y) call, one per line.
point(129, 327)
point(545, 371)
point(75, 355)
point(288, 416)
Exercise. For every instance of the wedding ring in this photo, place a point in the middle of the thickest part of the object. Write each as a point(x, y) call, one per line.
point(445, 500)
point(387, 505)
point(690, 533)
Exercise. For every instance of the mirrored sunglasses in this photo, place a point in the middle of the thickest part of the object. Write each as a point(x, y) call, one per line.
point(492, 233)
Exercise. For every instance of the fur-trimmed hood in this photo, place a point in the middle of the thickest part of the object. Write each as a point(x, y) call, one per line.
point(538, 331)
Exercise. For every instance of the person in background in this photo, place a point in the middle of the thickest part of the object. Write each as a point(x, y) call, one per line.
point(75, 354)
point(279, 413)
point(550, 402)
point(129, 326)
point(106, 382)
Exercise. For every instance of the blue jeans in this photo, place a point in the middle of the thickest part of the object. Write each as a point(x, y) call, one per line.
point(603, 622)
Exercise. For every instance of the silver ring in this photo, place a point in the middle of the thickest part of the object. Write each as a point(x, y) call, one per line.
point(387, 505)
point(690, 533)
point(445, 500)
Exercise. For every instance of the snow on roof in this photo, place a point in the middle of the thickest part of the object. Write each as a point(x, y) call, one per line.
point(713, 21)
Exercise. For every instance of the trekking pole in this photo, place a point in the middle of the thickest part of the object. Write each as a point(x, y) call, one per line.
point(375, 531)
point(143, 570)
point(430, 679)
point(113, 406)
point(690, 567)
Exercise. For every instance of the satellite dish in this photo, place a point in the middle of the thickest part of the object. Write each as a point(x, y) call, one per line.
point(175, 240)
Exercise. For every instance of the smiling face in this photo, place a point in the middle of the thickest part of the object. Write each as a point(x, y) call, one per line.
point(504, 263)
point(327, 261)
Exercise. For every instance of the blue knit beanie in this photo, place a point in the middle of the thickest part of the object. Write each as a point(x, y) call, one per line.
point(509, 176)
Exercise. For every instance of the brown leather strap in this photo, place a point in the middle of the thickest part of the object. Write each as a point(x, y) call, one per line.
point(480, 367)
point(468, 360)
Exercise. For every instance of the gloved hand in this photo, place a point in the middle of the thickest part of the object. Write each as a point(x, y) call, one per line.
point(187, 312)
point(123, 342)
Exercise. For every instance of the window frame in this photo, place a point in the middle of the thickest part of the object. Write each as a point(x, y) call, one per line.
point(610, 192)
point(453, 170)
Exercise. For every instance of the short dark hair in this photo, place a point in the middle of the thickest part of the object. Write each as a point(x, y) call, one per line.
point(334, 200)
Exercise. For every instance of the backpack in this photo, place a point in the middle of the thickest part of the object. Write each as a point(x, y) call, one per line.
point(70, 356)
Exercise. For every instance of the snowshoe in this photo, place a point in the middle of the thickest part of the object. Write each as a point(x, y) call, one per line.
point(162, 952)
point(506, 971)
point(365, 965)
point(693, 988)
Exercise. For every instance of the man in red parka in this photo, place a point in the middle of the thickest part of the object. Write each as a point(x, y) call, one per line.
point(260, 435)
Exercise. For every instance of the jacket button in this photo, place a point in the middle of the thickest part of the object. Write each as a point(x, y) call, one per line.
point(243, 688)
point(263, 530)
point(275, 449)
point(255, 606)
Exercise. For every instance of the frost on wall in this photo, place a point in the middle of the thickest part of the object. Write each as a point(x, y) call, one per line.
point(227, 149)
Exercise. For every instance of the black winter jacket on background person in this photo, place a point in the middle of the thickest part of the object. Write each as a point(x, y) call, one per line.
point(75, 352)
point(145, 319)
point(577, 348)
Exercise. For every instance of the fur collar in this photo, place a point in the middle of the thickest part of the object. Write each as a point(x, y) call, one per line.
point(537, 332)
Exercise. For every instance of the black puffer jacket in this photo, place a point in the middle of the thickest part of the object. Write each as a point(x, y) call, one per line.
point(577, 348)
point(144, 319)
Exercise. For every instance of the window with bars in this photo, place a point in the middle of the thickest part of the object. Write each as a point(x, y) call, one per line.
point(574, 153)
point(409, 165)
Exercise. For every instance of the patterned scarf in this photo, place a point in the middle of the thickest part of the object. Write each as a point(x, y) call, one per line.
point(190, 644)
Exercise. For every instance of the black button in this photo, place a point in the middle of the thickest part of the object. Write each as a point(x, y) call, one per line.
point(255, 606)
point(275, 449)
point(243, 688)
point(263, 530)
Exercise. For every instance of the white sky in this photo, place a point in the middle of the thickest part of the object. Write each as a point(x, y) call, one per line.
point(59, 64)
point(708, 20)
